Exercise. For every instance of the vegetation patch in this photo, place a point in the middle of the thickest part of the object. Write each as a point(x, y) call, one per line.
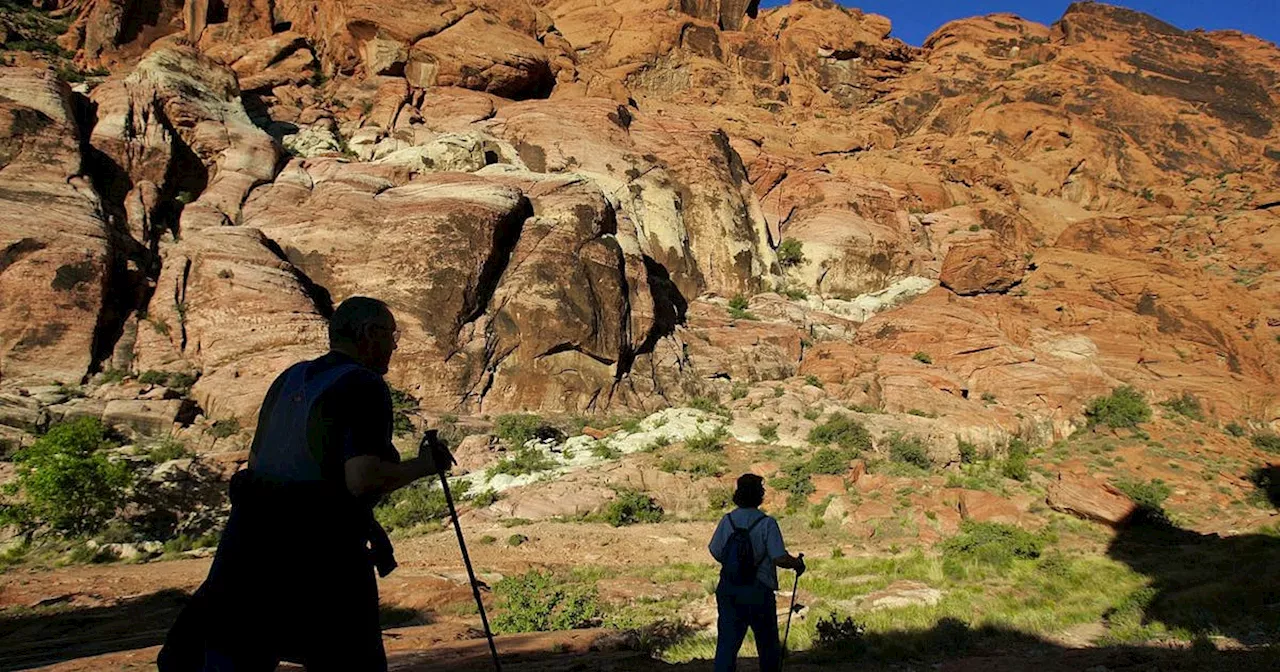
point(521, 462)
point(631, 507)
point(1125, 407)
point(66, 481)
point(1187, 405)
point(539, 601)
point(842, 431)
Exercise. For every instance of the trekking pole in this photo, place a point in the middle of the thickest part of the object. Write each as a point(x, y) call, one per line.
point(466, 560)
point(791, 610)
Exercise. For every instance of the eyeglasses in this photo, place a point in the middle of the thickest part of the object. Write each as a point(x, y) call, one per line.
point(395, 333)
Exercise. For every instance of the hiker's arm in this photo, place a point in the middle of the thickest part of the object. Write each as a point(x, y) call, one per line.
point(788, 561)
point(372, 475)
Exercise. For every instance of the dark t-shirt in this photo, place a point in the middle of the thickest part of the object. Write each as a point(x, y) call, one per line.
point(352, 418)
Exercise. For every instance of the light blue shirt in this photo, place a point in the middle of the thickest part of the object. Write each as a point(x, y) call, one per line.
point(766, 542)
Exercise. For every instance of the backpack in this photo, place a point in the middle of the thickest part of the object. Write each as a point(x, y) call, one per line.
point(740, 565)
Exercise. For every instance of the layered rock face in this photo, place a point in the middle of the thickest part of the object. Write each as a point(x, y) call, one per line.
point(555, 196)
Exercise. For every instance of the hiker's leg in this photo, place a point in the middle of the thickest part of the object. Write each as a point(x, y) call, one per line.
point(764, 624)
point(732, 626)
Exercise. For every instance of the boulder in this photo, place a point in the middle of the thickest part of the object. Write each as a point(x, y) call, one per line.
point(55, 271)
point(153, 418)
point(978, 268)
point(901, 594)
point(1089, 498)
point(481, 53)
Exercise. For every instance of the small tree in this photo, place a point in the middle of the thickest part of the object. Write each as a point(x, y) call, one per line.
point(1124, 407)
point(790, 253)
point(67, 482)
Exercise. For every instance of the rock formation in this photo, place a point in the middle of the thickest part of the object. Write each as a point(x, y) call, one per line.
point(557, 196)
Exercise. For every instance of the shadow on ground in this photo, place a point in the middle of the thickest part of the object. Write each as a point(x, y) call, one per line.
point(31, 638)
point(1208, 584)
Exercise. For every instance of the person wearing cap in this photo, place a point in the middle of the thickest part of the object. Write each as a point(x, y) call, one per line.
point(754, 606)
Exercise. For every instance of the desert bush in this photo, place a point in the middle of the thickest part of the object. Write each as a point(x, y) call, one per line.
point(995, 544)
point(167, 449)
point(840, 634)
point(66, 481)
point(522, 461)
point(417, 504)
point(631, 507)
point(1187, 405)
point(540, 602)
point(843, 431)
point(603, 450)
point(707, 405)
point(707, 443)
point(518, 429)
point(1149, 496)
point(1267, 441)
point(224, 428)
point(968, 451)
point(769, 432)
point(1124, 407)
point(1235, 429)
point(739, 391)
point(909, 450)
point(922, 357)
point(828, 461)
point(403, 407)
point(790, 253)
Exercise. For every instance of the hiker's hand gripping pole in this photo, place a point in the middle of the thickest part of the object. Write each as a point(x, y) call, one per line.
point(431, 440)
point(792, 609)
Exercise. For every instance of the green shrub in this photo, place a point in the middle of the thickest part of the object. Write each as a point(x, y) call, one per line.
point(1149, 496)
point(224, 428)
point(1016, 468)
point(796, 483)
point(988, 398)
point(790, 253)
point(630, 425)
point(183, 543)
point(522, 461)
point(707, 443)
point(1187, 405)
point(968, 451)
point(518, 429)
point(995, 544)
point(843, 431)
point(539, 602)
point(922, 357)
point(739, 391)
point(112, 375)
point(153, 377)
point(670, 464)
point(417, 504)
point(487, 540)
point(631, 507)
point(168, 449)
point(485, 499)
point(719, 498)
point(812, 413)
point(738, 302)
point(813, 380)
point(517, 540)
point(707, 405)
point(403, 407)
point(707, 469)
point(909, 450)
point(659, 442)
point(1124, 407)
point(1235, 429)
point(1266, 441)
point(829, 461)
point(769, 432)
point(842, 635)
point(602, 450)
point(67, 482)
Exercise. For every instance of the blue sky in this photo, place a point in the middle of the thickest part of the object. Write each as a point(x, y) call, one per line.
point(914, 20)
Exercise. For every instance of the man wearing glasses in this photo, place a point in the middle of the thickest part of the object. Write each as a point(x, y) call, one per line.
point(293, 577)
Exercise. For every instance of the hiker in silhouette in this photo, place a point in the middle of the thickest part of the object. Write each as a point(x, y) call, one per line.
point(748, 545)
point(293, 577)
